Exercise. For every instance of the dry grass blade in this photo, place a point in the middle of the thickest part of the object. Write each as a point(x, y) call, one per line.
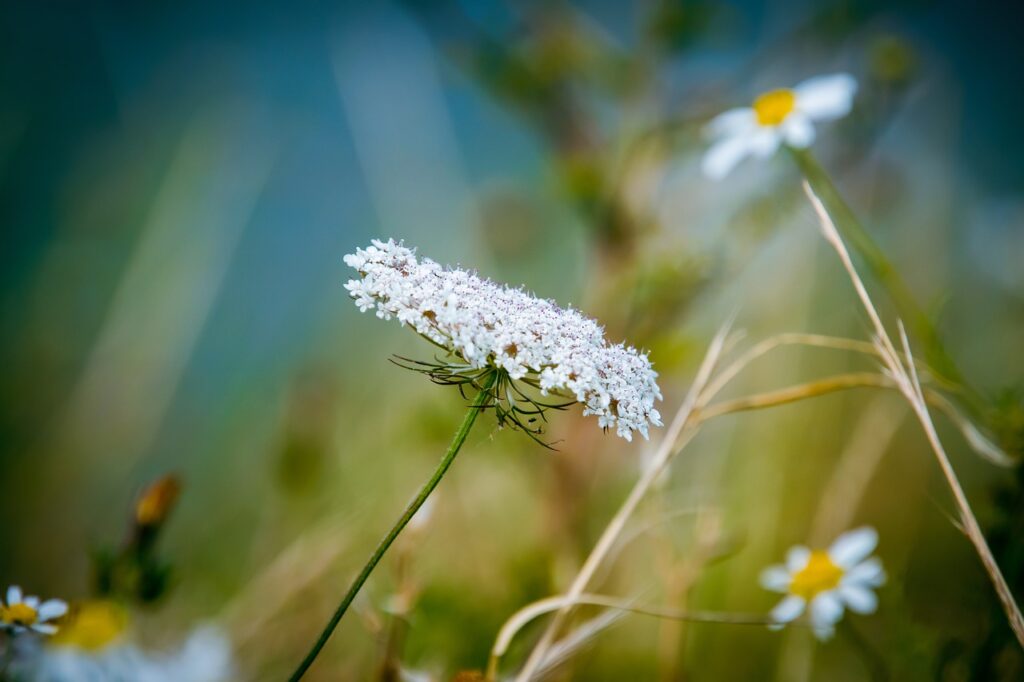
point(613, 530)
point(909, 385)
point(532, 611)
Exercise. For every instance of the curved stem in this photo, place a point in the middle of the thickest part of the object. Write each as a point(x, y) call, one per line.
point(479, 403)
point(678, 434)
point(538, 608)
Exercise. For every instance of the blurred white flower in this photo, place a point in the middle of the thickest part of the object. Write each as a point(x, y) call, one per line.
point(826, 582)
point(205, 657)
point(776, 117)
point(492, 327)
point(20, 613)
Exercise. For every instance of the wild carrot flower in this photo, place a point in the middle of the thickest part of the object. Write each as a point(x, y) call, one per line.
point(20, 613)
point(487, 328)
point(825, 582)
point(776, 117)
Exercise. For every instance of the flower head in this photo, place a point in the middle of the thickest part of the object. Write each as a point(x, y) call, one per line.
point(826, 582)
point(157, 501)
point(20, 613)
point(776, 117)
point(485, 327)
point(95, 643)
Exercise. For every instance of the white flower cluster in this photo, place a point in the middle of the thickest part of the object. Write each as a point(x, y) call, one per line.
point(491, 325)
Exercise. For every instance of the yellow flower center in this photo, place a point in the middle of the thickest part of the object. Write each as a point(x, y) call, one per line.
point(18, 614)
point(819, 575)
point(773, 107)
point(92, 625)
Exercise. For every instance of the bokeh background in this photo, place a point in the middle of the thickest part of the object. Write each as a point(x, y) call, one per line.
point(180, 180)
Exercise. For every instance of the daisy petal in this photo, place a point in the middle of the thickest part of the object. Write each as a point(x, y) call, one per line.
point(868, 573)
point(823, 632)
point(826, 97)
point(776, 578)
point(788, 609)
point(826, 609)
point(722, 157)
point(796, 558)
point(851, 547)
point(52, 608)
point(45, 629)
point(32, 602)
point(765, 142)
point(731, 123)
point(859, 599)
point(13, 595)
point(798, 130)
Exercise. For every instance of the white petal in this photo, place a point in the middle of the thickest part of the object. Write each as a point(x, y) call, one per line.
point(868, 573)
point(823, 632)
point(853, 546)
point(826, 97)
point(32, 602)
point(788, 609)
point(13, 595)
point(45, 629)
point(796, 558)
point(798, 130)
point(722, 156)
point(859, 599)
point(52, 608)
point(776, 578)
point(765, 142)
point(731, 123)
point(826, 609)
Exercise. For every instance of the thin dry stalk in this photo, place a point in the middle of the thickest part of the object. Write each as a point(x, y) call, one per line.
point(668, 447)
point(538, 608)
point(791, 394)
point(909, 385)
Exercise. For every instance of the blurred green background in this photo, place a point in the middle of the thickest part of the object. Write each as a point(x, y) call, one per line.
point(179, 182)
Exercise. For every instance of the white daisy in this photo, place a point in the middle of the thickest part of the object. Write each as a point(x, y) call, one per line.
point(827, 582)
point(20, 613)
point(776, 117)
point(95, 644)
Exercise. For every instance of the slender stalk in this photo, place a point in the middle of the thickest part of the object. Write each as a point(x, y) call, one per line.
point(675, 439)
point(910, 386)
point(479, 403)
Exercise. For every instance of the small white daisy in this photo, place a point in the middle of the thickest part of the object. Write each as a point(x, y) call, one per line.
point(827, 582)
point(20, 613)
point(776, 117)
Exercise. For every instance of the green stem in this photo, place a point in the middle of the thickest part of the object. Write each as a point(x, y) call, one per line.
point(882, 269)
point(479, 403)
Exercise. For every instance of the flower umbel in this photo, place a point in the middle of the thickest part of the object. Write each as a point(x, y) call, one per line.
point(826, 582)
point(776, 117)
point(534, 345)
point(20, 613)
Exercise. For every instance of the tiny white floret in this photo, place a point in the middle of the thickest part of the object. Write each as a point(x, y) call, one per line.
point(489, 325)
